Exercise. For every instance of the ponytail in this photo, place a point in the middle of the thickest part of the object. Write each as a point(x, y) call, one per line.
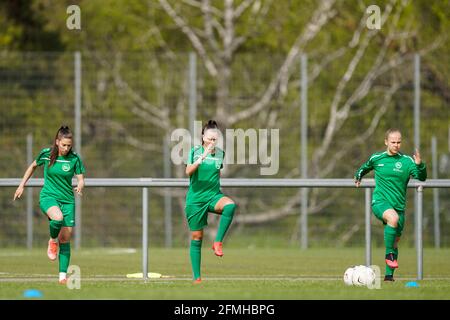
point(63, 132)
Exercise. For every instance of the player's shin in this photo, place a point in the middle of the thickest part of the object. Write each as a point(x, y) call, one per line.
point(64, 257)
point(389, 238)
point(55, 228)
point(195, 252)
point(225, 221)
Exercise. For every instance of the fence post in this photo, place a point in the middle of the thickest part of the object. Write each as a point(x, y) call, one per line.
point(167, 197)
point(419, 233)
point(77, 102)
point(145, 233)
point(29, 195)
point(437, 231)
point(416, 127)
point(368, 199)
point(192, 92)
point(304, 148)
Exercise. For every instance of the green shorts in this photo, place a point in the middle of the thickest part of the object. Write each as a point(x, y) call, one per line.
point(197, 214)
point(380, 207)
point(67, 209)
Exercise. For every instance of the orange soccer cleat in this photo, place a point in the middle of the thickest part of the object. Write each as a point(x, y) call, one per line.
point(52, 250)
point(217, 247)
point(391, 261)
point(198, 280)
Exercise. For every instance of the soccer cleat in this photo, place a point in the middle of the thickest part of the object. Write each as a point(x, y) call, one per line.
point(389, 278)
point(198, 280)
point(390, 261)
point(52, 250)
point(217, 247)
point(63, 281)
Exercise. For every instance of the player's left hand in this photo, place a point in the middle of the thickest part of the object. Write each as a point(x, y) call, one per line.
point(79, 190)
point(416, 157)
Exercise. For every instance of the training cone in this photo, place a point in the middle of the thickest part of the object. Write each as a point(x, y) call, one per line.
point(412, 284)
point(151, 275)
point(32, 293)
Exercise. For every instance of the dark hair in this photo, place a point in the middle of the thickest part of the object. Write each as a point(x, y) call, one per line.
point(391, 130)
point(63, 132)
point(211, 124)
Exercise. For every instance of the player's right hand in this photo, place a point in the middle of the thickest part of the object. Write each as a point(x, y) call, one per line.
point(208, 150)
point(18, 193)
point(357, 183)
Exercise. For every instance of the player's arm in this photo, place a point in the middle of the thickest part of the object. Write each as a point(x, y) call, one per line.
point(80, 185)
point(28, 173)
point(419, 170)
point(362, 171)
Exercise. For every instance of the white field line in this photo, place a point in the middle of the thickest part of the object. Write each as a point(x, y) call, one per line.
point(51, 278)
point(87, 252)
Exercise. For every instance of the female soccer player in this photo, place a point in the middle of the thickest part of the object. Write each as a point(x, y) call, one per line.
point(392, 173)
point(204, 195)
point(57, 199)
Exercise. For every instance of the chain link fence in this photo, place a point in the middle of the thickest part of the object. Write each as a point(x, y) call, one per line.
point(132, 102)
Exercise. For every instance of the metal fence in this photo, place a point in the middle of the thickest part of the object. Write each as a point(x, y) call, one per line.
point(123, 107)
point(146, 183)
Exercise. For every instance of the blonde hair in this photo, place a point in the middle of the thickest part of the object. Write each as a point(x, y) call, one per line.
point(391, 130)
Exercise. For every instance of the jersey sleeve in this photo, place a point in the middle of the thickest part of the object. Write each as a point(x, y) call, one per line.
point(79, 167)
point(364, 169)
point(43, 155)
point(190, 159)
point(419, 171)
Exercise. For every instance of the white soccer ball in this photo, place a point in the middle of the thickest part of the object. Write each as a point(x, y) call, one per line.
point(363, 276)
point(348, 276)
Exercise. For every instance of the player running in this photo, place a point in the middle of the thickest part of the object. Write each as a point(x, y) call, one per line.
point(392, 173)
point(57, 198)
point(204, 195)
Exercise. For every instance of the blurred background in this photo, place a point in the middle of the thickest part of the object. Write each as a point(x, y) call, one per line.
point(140, 69)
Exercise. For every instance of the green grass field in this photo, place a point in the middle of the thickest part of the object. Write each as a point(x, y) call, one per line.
point(262, 273)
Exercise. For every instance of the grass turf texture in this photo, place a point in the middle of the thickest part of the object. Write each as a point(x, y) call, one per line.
point(261, 273)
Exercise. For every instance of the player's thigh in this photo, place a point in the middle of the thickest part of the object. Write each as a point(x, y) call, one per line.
point(390, 216)
point(400, 224)
point(381, 209)
point(50, 207)
point(197, 216)
point(68, 211)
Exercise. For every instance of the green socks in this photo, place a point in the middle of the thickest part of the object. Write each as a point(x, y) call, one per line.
point(389, 239)
point(64, 256)
point(55, 227)
point(196, 257)
point(225, 221)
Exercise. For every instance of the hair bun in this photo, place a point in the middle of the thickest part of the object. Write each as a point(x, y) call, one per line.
point(211, 124)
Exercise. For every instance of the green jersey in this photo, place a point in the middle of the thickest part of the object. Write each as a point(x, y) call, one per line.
point(58, 177)
point(204, 183)
point(392, 174)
